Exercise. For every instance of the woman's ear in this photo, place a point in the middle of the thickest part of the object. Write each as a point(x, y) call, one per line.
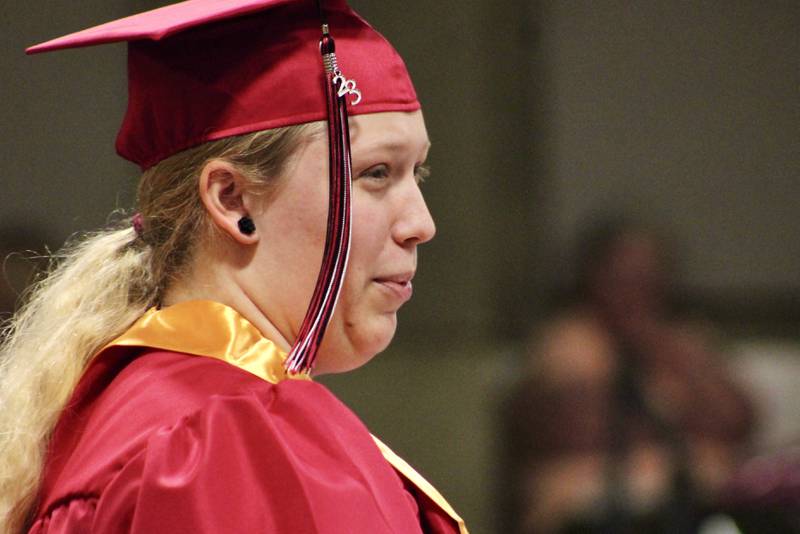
point(222, 188)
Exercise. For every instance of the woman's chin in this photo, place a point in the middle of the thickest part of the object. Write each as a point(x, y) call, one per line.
point(339, 354)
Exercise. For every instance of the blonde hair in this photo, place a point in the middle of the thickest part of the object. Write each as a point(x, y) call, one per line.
point(95, 288)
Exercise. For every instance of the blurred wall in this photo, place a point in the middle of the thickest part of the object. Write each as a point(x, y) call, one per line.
point(59, 115)
point(539, 112)
point(685, 113)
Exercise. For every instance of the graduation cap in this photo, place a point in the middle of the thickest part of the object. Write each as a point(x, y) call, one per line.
point(202, 70)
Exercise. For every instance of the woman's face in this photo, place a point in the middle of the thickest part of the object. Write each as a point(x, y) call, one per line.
point(631, 280)
point(390, 219)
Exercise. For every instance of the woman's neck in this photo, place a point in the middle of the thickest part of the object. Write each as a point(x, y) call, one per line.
point(214, 280)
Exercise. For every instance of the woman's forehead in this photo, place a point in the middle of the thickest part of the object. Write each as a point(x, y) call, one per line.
point(392, 131)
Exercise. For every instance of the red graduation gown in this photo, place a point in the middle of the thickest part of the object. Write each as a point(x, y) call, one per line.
point(156, 440)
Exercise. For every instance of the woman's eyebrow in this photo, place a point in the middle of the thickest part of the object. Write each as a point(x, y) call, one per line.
point(391, 145)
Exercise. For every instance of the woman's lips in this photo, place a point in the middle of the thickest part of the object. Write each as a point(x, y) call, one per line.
point(402, 290)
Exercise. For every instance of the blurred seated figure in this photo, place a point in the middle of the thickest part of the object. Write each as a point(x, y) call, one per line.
point(627, 422)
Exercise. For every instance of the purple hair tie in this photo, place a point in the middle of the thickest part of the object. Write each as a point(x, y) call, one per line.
point(138, 223)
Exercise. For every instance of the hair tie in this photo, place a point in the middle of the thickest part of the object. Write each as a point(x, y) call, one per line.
point(138, 223)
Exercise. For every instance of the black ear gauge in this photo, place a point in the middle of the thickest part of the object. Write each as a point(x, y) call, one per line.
point(246, 225)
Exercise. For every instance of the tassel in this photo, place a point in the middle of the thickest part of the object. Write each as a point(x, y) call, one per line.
point(337, 238)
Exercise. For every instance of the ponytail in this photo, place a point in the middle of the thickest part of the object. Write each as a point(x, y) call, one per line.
point(98, 288)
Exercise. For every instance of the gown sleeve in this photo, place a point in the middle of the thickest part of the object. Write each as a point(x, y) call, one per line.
point(284, 460)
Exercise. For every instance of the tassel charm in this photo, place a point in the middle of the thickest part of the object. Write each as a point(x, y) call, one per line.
point(337, 237)
point(345, 86)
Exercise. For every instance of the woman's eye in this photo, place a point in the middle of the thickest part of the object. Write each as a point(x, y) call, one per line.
point(422, 172)
point(378, 172)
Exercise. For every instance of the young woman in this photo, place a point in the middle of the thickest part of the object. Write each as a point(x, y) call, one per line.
point(158, 380)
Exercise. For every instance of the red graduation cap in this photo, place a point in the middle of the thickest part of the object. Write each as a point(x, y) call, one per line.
point(206, 69)
point(202, 70)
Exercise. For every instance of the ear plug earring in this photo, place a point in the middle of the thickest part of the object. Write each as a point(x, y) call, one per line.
point(246, 225)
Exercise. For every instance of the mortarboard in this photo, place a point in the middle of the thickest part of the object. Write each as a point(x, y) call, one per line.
point(202, 70)
point(207, 69)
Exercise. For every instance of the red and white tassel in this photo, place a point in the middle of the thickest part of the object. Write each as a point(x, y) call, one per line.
point(337, 238)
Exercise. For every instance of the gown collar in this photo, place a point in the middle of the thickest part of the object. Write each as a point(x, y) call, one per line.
point(207, 328)
point(212, 329)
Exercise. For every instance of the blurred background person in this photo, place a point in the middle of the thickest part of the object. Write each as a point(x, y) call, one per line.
point(629, 420)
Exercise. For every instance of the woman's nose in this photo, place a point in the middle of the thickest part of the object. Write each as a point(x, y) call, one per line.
point(415, 224)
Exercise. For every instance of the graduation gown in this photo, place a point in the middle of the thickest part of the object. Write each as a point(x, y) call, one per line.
point(188, 423)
